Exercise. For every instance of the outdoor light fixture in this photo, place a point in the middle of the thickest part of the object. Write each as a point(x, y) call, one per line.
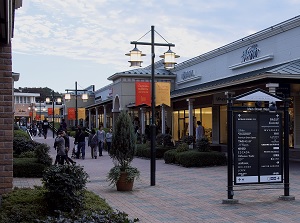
point(169, 61)
point(58, 100)
point(135, 57)
point(48, 100)
point(84, 97)
point(68, 97)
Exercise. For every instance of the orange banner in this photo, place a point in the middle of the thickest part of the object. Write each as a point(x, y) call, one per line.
point(50, 111)
point(142, 93)
point(81, 113)
point(56, 111)
point(162, 93)
point(71, 114)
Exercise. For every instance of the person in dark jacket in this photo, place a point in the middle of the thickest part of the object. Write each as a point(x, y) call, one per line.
point(59, 145)
point(80, 140)
point(67, 146)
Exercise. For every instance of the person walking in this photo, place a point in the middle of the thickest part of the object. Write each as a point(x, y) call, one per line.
point(67, 147)
point(59, 145)
point(109, 139)
point(101, 139)
point(45, 127)
point(199, 131)
point(80, 140)
point(93, 143)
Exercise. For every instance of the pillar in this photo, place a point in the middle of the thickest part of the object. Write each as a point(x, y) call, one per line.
point(163, 119)
point(104, 116)
point(191, 121)
point(97, 118)
point(90, 119)
point(142, 121)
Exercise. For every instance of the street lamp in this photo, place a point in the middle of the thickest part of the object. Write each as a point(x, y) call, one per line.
point(58, 102)
point(169, 62)
point(84, 97)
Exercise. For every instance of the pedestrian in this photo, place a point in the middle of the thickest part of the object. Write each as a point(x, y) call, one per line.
point(59, 145)
point(93, 143)
point(63, 125)
point(67, 146)
point(80, 140)
point(199, 131)
point(109, 139)
point(101, 139)
point(45, 127)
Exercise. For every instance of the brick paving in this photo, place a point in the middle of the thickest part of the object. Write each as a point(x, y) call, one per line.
point(186, 195)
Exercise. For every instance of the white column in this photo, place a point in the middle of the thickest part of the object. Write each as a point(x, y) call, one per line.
point(97, 118)
point(90, 121)
point(191, 121)
point(142, 120)
point(163, 119)
point(104, 116)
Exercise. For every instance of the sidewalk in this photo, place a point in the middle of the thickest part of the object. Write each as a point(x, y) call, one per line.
point(184, 195)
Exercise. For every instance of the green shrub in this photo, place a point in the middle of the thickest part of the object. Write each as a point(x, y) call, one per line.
point(194, 158)
point(21, 134)
point(144, 150)
point(188, 139)
point(42, 154)
point(203, 145)
point(65, 185)
point(26, 204)
point(21, 145)
point(27, 167)
point(27, 154)
point(164, 140)
point(170, 156)
point(23, 205)
point(182, 147)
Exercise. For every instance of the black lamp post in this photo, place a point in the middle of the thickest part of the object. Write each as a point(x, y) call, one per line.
point(53, 101)
point(68, 97)
point(169, 61)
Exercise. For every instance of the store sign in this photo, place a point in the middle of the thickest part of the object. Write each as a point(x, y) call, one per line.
point(71, 114)
point(250, 53)
point(257, 148)
point(219, 99)
point(188, 74)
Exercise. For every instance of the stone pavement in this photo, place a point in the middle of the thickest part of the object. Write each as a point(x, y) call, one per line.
point(183, 195)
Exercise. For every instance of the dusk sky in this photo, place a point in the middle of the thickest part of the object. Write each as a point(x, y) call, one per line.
point(58, 42)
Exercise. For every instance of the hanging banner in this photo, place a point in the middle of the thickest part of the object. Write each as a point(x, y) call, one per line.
point(162, 93)
point(50, 111)
point(142, 93)
point(71, 113)
point(81, 113)
point(56, 111)
point(37, 117)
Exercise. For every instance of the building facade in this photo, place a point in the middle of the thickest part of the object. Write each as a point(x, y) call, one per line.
point(268, 59)
point(7, 78)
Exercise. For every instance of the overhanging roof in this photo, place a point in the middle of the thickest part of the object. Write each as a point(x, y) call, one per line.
point(289, 70)
point(258, 95)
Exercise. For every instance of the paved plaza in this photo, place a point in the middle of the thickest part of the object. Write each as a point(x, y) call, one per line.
point(184, 195)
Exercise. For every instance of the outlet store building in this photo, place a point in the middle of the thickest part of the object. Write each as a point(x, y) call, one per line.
point(268, 59)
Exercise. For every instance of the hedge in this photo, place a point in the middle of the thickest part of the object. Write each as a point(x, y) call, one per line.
point(28, 167)
point(194, 158)
point(144, 150)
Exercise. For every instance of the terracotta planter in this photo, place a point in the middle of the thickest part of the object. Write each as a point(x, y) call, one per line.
point(122, 185)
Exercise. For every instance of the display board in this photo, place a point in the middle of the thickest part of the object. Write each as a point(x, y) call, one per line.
point(257, 143)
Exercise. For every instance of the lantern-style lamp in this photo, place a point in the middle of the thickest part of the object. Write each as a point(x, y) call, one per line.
point(135, 57)
point(84, 97)
point(58, 100)
point(67, 97)
point(169, 59)
point(48, 100)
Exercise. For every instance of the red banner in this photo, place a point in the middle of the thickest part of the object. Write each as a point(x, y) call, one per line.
point(50, 111)
point(37, 117)
point(142, 93)
point(71, 114)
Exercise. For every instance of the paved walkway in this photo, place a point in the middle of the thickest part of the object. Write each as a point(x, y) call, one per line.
point(184, 195)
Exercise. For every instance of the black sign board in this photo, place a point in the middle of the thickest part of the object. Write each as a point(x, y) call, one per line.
point(257, 142)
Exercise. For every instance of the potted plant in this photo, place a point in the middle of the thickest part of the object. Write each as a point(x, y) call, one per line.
point(122, 152)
